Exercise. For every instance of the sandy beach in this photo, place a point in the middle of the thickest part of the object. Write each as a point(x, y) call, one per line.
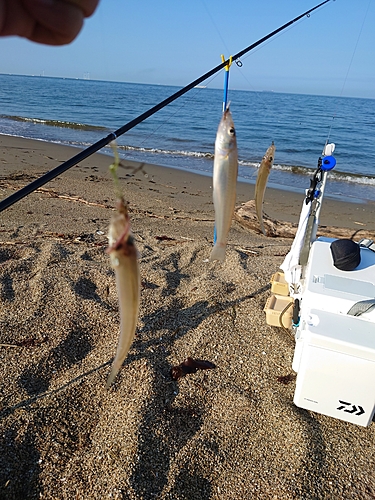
point(228, 433)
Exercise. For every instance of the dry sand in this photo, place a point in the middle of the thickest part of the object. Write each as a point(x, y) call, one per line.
point(228, 433)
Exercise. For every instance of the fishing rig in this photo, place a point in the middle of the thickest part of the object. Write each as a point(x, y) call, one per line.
point(325, 295)
point(37, 183)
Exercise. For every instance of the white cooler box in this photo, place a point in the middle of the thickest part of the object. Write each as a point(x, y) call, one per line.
point(335, 352)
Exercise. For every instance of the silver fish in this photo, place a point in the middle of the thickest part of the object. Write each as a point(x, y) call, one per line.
point(224, 182)
point(261, 183)
point(124, 260)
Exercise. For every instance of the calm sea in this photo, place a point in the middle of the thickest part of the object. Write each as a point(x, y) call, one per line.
point(182, 135)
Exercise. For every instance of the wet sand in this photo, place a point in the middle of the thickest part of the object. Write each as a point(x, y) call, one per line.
point(228, 433)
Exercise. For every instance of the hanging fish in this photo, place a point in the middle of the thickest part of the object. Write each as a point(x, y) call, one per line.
point(224, 182)
point(261, 183)
point(124, 260)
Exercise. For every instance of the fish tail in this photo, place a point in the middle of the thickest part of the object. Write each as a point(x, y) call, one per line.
point(218, 252)
point(114, 371)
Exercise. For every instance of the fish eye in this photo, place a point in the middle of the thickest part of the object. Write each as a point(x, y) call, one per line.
point(232, 131)
point(271, 158)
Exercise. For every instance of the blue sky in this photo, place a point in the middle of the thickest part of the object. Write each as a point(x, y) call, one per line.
point(172, 42)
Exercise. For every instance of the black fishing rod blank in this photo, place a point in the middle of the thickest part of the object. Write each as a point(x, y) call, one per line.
point(18, 195)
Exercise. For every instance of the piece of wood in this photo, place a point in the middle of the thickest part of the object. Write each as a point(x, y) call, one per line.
point(246, 216)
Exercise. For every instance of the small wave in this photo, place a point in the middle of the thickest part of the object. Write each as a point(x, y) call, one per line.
point(54, 123)
point(295, 169)
point(244, 163)
point(356, 178)
point(334, 175)
point(195, 154)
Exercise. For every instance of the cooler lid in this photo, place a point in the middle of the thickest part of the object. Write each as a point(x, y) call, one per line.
point(323, 278)
point(351, 335)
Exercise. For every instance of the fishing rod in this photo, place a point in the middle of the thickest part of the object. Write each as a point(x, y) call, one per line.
point(26, 190)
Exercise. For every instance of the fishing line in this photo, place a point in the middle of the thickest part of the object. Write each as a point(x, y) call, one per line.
point(172, 115)
point(267, 43)
point(238, 65)
point(18, 195)
point(190, 99)
point(215, 26)
point(350, 65)
point(241, 72)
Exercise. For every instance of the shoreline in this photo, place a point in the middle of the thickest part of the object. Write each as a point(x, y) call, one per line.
point(287, 175)
point(281, 204)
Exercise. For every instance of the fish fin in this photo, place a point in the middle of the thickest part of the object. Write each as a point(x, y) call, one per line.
point(262, 227)
point(218, 253)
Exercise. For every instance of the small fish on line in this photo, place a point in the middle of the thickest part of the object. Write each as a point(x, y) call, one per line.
point(261, 183)
point(190, 365)
point(224, 182)
point(124, 260)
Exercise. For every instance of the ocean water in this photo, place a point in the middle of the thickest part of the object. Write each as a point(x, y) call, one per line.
point(182, 135)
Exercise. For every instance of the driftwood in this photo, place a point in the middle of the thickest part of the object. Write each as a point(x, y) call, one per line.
point(246, 216)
